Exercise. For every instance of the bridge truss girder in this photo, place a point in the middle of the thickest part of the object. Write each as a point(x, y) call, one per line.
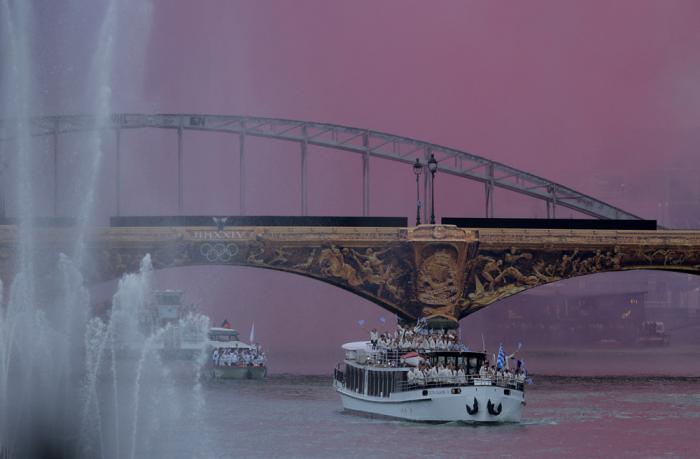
point(365, 142)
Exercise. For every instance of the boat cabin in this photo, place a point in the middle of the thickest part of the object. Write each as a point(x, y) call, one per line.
point(165, 307)
point(379, 373)
point(223, 334)
point(470, 361)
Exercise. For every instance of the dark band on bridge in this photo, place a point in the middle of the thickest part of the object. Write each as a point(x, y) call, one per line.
point(552, 223)
point(238, 220)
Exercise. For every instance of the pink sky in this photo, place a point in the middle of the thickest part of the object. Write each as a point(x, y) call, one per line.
point(599, 95)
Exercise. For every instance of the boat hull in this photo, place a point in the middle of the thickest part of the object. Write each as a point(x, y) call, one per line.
point(239, 372)
point(441, 404)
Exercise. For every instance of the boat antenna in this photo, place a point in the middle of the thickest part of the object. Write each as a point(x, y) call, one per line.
point(483, 342)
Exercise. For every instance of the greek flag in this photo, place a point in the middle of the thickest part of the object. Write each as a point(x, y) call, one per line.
point(501, 362)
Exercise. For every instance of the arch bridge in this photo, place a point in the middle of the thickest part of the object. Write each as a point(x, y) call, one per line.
point(365, 143)
point(440, 272)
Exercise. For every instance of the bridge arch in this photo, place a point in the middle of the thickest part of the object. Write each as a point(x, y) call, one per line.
point(365, 143)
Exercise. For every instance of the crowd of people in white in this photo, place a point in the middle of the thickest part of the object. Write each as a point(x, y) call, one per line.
point(239, 357)
point(420, 339)
point(416, 338)
point(425, 374)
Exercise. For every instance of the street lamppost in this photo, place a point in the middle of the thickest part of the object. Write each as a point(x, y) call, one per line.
point(418, 170)
point(432, 167)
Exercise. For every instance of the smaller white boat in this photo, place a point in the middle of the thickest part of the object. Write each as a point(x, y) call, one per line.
point(165, 323)
point(231, 358)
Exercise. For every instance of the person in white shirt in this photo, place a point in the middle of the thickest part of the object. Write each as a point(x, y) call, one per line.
point(443, 375)
point(374, 337)
point(432, 375)
point(419, 377)
point(484, 370)
point(461, 379)
point(215, 356)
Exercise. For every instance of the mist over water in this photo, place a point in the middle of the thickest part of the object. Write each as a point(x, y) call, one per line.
point(71, 385)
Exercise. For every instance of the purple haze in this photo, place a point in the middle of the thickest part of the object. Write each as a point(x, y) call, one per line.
point(600, 96)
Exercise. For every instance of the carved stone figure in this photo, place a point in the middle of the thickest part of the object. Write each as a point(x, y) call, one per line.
point(333, 264)
point(255, 252)
point(305, 265)
point(437, 278)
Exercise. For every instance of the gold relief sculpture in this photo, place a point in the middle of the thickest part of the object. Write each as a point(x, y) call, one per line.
point(511, 272)
point(481, 297)
point(544, 272)
point(306, 264)
point(280, 257)
point(437, 278)
point(255, 250)
point(431, 270)
point(332, 264)
point(448, 311)
point(369, 270)
point(665, 257)
point(513, 256)
point(377, 271)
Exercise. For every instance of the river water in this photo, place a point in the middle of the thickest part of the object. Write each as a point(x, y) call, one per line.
point(301, 417)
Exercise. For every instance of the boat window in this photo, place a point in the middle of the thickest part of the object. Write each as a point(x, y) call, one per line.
point(379, 383)
point(352, 378)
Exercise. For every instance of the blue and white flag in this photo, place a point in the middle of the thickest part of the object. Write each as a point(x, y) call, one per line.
point(361, 322)
point(501, 362)
point(382, 319)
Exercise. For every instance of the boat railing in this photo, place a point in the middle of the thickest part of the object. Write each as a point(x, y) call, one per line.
point(454, 382)
point(460, 381)
point(446, 381)
point(339, 375)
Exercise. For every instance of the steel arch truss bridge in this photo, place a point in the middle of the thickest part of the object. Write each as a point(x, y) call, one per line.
point(364, 142)
point(439, 272)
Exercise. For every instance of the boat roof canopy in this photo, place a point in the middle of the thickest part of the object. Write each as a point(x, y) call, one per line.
point(356, 346)
point(223, 331)
point(457, 353)
point(230, 344)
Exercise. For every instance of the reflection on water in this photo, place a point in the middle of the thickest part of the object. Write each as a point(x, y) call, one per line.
point(301, 416)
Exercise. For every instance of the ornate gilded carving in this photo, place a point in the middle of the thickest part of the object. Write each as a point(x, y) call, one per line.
point(375, 269)
point(438, 276)
point(332, 264)
point(435, 271)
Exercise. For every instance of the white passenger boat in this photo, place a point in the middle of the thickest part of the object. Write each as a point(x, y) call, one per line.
point(225, 340)
point(179, 332)
point(376, 382)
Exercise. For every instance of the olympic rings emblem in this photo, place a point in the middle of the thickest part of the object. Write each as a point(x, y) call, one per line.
point(218, 252)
